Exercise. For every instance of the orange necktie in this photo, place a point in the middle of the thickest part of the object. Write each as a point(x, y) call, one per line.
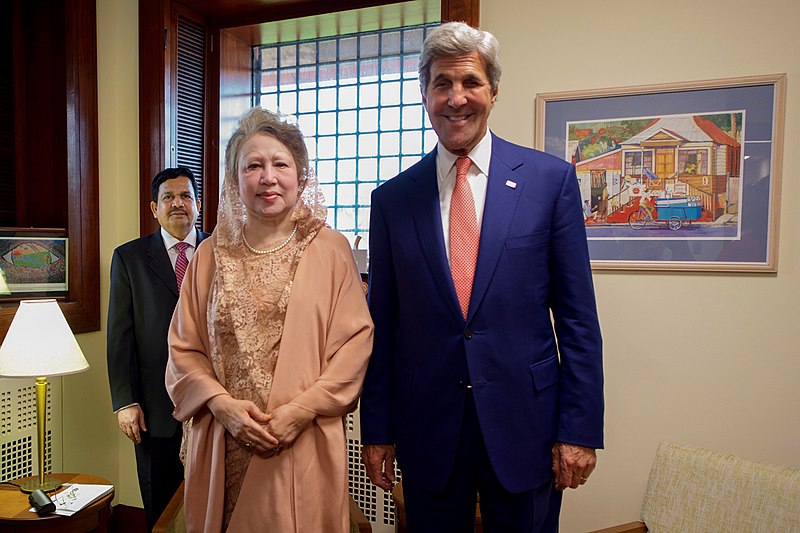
point(464, 235)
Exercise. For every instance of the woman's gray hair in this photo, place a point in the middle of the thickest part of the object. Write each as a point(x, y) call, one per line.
point(259, 120)
point(457, 38)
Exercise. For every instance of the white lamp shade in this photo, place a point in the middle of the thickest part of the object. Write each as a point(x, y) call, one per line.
point(40, 343)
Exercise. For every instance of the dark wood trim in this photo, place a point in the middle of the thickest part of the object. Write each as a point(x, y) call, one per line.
point(462, 10)
point(212, 173)
point(154, 83)
point(20, 121)
point(81, 306)
point(291, 9)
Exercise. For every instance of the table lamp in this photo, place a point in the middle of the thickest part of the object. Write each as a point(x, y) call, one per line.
point(38, 344)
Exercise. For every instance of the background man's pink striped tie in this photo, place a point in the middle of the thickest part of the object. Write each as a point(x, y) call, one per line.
point(464, 235)
point(181, 263)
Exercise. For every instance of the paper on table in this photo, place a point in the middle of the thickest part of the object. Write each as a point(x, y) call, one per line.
point(76, 496)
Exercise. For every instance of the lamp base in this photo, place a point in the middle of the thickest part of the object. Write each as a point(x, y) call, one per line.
point(30, 484)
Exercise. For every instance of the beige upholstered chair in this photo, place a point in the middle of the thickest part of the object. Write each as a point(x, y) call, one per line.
point(699, 490)
point(172, 521)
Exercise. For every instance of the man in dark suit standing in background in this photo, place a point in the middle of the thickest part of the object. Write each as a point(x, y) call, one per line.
point(146, 275)
point(486, 372)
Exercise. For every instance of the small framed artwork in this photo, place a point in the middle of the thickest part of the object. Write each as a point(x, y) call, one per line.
point(681, 176)
point(33, 262)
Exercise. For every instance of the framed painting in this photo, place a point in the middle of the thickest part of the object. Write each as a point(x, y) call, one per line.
point(681, 176)
point(33, 262)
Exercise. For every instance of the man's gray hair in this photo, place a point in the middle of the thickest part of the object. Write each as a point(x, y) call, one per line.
point(455, 39)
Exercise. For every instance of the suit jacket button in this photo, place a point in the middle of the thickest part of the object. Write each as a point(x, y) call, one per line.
point(468, 334)
point(460, 384)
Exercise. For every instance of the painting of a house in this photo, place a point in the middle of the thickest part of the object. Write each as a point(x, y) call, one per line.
point(695, 156)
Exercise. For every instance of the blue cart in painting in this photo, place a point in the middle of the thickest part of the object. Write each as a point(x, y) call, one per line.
point(676, 212)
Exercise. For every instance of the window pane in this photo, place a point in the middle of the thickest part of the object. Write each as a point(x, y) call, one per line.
point(389, 143)
point(368, 95)
point(368, 120)
point(369, 45)
point(308, 125)
point(327, 123)
point(269, 58)
point(288, 56)
point(368, 169)
point(287, 103)
point(326, 172)
point(412, 142)
point(308, 53)
point(348, 121)
point(327, 50)
point(327, 99)
point(367, 145)
point(347, 147)
point(326, 147)
point(307, 102)
point(346, 194)
point(348, 97)
point(390, 93)
point(390, 119)
point(346, 170)
point(348, 48)
point(390, 42)
point(412, 117)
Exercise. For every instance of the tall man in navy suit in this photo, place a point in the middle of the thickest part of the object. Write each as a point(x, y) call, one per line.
point(496, 388)
point(144, 292)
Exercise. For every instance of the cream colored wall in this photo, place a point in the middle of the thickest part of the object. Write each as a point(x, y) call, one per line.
point(704, 359)
point(92, 442)
point(719, 373)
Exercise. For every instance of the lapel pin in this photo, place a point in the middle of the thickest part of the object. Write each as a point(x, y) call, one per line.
point(511, 184)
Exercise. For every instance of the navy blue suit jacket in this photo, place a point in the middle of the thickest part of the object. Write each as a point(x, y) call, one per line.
point(142, 298)
point(536, 379)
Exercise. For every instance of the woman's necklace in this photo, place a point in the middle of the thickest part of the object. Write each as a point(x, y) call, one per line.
point(281, 246)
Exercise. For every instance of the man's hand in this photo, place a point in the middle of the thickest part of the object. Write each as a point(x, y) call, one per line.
point(572, 465)
point(245, 422)
point(131, 422)
point(379, 460)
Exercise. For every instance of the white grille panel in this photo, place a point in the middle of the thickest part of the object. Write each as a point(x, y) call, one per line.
point(18, 447)
point(374, 502)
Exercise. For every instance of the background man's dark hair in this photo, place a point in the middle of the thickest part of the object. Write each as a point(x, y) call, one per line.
point(171, 174)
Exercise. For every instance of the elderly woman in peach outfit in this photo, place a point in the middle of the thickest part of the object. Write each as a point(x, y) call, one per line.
point(268, 347)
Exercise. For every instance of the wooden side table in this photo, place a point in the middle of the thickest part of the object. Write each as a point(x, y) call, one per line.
point(15, 517)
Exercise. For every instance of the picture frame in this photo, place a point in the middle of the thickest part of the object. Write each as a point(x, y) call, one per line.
point(33, 262)
point(677, 176)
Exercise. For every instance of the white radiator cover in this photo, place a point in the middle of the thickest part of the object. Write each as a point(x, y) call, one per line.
point(375, 502)
point(19, 454)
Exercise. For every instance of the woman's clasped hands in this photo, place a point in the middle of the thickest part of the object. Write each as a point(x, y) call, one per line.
point(265, 434)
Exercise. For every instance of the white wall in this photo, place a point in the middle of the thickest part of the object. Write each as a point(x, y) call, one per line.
point(698, 358)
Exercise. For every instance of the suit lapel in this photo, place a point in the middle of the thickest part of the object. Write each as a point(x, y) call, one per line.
point(424, 204)
point(158, 261)
point(503, 191)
